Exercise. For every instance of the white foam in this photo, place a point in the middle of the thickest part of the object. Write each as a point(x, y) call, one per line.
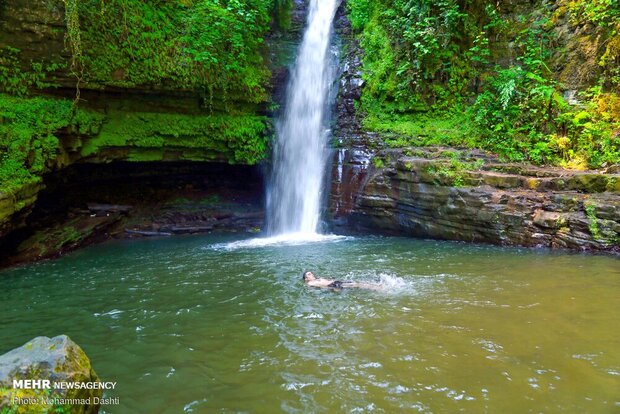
point(385, 282)
point(393, 282)
point(287, 239)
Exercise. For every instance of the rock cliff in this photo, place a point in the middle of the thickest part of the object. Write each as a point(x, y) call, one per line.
point(462, 194)
point(447, 194)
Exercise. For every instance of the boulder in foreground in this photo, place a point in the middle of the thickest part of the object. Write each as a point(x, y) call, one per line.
point(58, 360)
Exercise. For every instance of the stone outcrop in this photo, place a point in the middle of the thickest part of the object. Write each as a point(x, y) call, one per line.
point(16, 207)
point(468, 195)
point(57, 359)
point(352, 154)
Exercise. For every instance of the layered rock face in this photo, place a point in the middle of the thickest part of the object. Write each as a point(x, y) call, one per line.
point(57, 359)
point(471, 196)
point(467, 195)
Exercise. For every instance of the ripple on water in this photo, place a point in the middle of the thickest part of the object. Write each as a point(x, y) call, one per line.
point(289, 239)
point(235, 330)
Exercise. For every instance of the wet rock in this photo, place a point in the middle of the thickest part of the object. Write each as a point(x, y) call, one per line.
point(549, 219)
point(108, 208)
point(57, 359)
point(49, 242)
point(190, 229)
point(590, 183)
point(16, 206)
point(418, 196)
point(86, 204)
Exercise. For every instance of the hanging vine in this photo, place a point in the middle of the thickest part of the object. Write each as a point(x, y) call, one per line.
point(74, 42)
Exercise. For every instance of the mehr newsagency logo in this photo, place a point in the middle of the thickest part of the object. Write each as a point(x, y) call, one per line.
point(44, 384)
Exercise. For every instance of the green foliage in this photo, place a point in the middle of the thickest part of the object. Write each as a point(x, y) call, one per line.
point(590, 209)
point(602, 12)
point(282, 13)
point(359, 13)
point(437, 73)
point(409, 45)
point(208, 45)
point(74, 41)
point(453, 128)
point(214, 47)
point(454, 172)
point(16, 81)
point(525, 118)
point(28, 136)
point(30, 131)
point(605, 16)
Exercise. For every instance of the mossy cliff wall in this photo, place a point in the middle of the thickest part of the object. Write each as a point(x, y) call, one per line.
point(124, 80)
point(471, 196)
point(478, 121)
point(532, 81)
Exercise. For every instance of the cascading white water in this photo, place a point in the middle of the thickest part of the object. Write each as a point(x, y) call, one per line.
point(300, 154)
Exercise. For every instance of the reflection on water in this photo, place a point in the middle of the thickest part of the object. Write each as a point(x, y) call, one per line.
point(185, 327)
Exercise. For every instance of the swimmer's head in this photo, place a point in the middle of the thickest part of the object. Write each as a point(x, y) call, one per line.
point(308, 276)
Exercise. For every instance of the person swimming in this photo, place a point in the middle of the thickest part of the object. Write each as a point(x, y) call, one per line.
point(311, 280)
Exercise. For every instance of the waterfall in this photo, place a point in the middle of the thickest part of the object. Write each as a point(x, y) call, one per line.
point(300, 153)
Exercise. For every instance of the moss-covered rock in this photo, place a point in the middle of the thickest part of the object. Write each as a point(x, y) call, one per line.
point(167, 82)
point(443, 198)
point(16, 205)
point(40, 135)
point(57, 359)
point(152, 136)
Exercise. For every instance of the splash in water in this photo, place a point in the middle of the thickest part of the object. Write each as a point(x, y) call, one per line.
point(300, 154)
point(292, 239)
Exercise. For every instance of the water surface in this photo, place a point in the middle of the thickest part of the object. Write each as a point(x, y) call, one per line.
point(189, 325)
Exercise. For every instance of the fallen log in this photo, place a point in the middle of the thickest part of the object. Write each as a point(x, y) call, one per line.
point(108, 208)
point(147, 233)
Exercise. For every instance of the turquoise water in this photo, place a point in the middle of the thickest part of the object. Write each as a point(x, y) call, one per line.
point(186, 325)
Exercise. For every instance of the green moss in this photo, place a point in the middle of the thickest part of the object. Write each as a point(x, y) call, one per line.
point(214, 48)
point(440, 73)
point(29, 143)
point(76, 367)
point(282, 13)
point(147, 137)
point(378, 162)
point(425, 129)
point(601, 230)
point(17, 77)
point(68, 235)
point(590, 209)
point(203, 45)
point(453, 172)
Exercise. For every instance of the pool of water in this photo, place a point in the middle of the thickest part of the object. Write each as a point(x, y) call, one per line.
point(197, 325)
